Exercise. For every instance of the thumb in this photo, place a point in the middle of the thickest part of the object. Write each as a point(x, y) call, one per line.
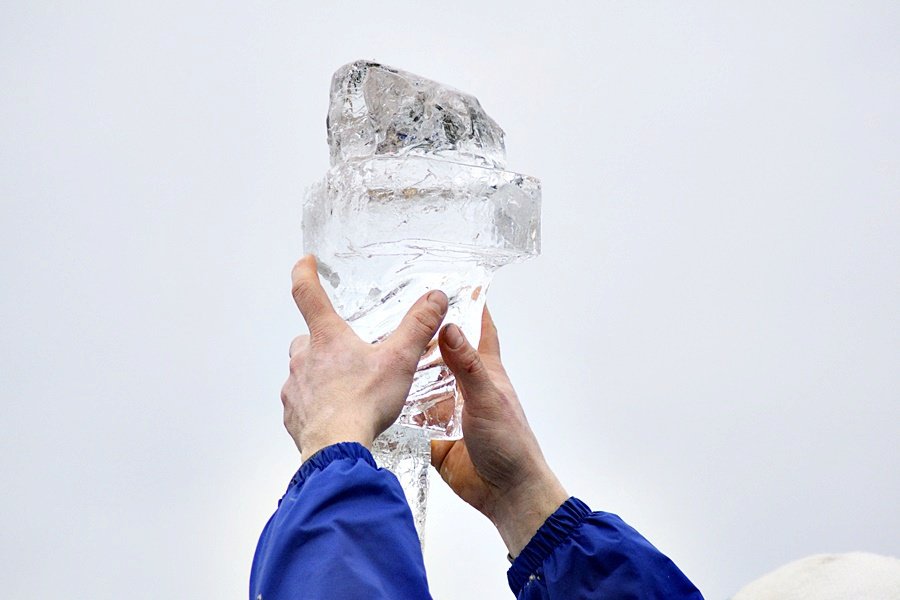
point(419, 325)
point(465, 362)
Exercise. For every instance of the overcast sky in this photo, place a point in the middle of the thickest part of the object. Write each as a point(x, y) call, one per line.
point(708, 346)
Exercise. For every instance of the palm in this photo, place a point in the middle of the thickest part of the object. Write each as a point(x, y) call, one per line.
point(456, 468)
point(452, 458)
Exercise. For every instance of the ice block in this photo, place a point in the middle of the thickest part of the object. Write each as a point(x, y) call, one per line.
point(417, 198)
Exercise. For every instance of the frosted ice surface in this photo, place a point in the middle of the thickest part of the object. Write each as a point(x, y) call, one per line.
point(407, 454)
point(377, 110)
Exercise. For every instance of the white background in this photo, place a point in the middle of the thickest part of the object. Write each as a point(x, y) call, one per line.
point(708, 346)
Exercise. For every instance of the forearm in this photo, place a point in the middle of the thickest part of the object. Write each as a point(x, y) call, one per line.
point(342, 530)
point(578, 553)
point(520, 511)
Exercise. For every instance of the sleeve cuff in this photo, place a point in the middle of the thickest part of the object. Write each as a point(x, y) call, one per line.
point(329, 454)
point(554, 531)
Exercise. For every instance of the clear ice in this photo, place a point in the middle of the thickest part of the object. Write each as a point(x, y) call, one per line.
point(417, 198)
point(379, 111)
point(406, 453)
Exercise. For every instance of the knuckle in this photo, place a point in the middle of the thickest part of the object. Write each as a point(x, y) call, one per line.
point(472, 364)
point(425, 320)
point(302, 291)
point(288, 413)
point(297, 341)
point(299, 289)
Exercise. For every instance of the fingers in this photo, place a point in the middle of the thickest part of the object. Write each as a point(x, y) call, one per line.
point(466, 364)
point(419, 325)
point(489, 343)
point(311, 298)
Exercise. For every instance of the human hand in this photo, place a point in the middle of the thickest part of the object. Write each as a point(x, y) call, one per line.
point(498, 466)
point(340, 388)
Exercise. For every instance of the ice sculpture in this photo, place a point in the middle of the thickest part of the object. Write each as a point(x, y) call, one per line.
point(417, 198)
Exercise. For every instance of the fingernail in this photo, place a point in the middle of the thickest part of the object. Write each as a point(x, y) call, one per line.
point(438, 300)
point(454, 336)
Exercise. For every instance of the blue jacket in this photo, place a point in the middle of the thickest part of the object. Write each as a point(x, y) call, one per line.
point(343, 531)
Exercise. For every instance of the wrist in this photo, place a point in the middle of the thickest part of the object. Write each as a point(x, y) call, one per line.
point(310, 444)
point(520, 511)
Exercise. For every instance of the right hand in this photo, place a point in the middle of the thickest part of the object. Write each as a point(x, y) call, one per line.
point(340, 388)
point(498, 466)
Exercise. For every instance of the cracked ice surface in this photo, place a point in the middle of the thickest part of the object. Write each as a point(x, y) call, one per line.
point(388, 230)
point(377, 110)
point(417, 198)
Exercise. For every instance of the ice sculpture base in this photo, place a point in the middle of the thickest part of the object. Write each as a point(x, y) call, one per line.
point(406, 453)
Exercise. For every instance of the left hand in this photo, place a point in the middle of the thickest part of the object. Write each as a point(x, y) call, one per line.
point(497, 466)
point(340, 388)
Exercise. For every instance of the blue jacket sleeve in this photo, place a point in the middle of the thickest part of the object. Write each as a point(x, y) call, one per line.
point(579, 554)
point(343, 530)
